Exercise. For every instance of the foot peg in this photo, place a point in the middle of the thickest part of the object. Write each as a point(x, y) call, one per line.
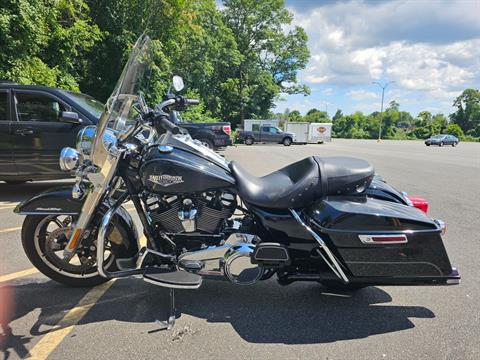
point(172, 279)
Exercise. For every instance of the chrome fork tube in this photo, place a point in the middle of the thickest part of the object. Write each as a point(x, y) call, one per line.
point(330, 259)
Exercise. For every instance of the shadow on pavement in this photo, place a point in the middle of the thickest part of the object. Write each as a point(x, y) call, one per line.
point(20, 192)
point(263, 313)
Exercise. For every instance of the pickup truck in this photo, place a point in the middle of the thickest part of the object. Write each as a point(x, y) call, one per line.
point(266, 134)
point(211, 135)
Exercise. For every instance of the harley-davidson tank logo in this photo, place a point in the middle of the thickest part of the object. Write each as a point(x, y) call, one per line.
point(165, 180)
point(321, 129)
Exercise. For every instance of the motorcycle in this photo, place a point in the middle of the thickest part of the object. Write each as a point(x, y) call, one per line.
point(327, 220)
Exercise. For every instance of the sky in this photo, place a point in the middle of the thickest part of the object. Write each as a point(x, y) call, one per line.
point(429, 48)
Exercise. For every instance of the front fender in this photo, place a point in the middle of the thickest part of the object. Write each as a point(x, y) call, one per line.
point(59, 200)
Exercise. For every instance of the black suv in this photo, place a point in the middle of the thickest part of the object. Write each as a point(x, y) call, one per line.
point(35, 123)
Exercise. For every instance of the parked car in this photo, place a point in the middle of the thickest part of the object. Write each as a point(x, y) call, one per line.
point(265, 134)
point(36, 122)
point(441, 140)
point(211, 135)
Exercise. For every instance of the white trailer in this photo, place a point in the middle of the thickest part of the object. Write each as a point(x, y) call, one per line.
point(256, 124)
point(300, 129)
point(319, 132)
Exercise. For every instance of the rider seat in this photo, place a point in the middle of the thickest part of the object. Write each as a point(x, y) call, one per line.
point(301, 183)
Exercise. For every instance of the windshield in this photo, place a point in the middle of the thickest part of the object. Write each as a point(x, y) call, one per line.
point(90, 104)
point(121, 111)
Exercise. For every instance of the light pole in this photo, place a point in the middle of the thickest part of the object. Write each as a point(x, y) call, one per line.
point(381, 111)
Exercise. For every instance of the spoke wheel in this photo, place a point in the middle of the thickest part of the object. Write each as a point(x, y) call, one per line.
point(44, 238)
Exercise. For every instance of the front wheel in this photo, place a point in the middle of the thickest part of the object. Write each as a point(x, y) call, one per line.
point(45, 236)
point(287, 141)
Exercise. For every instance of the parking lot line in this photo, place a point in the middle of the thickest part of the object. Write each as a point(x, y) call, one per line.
point(18, 274)
point(52, 339)
point(10, 229)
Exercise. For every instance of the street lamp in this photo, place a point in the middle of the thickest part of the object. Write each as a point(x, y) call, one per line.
point(381, 111)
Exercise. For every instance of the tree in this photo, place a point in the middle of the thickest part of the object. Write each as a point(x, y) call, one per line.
point(454, 129)
point(46, 42)
point(269, 56)
point(295, 116)
point(467, 115)
point(315, 115)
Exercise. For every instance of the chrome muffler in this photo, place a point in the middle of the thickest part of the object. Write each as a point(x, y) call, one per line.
point(231, 260)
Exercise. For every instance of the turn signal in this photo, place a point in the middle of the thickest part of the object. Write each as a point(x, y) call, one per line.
point(419, 203)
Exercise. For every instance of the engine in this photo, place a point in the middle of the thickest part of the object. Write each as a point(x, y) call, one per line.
point(204, 213)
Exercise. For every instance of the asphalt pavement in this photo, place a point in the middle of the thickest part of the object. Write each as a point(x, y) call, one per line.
point(266, 320)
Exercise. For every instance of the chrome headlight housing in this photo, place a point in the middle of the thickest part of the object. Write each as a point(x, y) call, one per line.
point(69, 159)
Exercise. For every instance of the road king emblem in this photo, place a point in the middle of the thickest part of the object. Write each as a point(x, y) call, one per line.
point(165, 180)
point(321, 129)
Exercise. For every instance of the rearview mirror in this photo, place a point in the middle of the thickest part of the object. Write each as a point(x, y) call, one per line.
point(70, 117)
point(178, 83)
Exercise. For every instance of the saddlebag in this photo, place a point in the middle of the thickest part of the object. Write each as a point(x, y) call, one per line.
point(383, 242)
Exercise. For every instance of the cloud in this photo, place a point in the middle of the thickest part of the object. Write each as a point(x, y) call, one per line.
point(430, 48)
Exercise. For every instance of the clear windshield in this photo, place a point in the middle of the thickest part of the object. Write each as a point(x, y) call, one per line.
point(120, 113)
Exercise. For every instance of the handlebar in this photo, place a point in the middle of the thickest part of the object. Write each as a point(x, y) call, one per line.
point(167, 125)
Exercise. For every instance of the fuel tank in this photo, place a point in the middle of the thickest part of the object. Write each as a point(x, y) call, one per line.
point(173, 170)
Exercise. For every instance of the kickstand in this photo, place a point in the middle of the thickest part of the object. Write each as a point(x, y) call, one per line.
point(170, 323)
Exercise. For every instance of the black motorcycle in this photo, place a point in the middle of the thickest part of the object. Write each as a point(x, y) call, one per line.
point(329, 220)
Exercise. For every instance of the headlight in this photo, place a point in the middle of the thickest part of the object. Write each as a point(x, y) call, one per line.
point(69, 159)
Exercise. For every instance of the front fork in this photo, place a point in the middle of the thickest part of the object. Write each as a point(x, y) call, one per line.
point(100, 184)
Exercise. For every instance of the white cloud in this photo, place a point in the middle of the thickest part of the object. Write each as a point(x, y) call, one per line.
point(431, 48)
point(361, 95)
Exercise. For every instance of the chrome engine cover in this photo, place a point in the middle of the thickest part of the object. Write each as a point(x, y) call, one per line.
point(231, 261)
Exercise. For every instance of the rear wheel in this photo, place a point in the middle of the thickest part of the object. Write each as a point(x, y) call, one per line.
point(441, 143)
point(454, 144)
point(249, 141)
point(44, 238)
point(207, 143)
point(287, 141)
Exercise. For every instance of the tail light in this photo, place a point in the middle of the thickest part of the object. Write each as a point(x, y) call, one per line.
point(227, 129)
point(419, 203)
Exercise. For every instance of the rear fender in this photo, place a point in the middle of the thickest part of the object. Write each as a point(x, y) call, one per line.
point(59, 201)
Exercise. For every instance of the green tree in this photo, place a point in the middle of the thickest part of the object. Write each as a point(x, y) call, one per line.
point(270, 57)
point(46, 42)
point(295, 116)
point(467, 115)
point(454, 129)
point(315, 115)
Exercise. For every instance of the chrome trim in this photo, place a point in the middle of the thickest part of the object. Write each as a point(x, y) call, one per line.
point(218, 260)
point(69, 159)
point(333, 264)
point(368, 239)
point(442, 225)
point(171, 286)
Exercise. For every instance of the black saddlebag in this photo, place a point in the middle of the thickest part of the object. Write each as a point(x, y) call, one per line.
point(383, 242)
